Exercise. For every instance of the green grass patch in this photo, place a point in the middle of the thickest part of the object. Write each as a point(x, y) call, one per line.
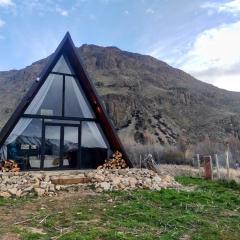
point(210, 211)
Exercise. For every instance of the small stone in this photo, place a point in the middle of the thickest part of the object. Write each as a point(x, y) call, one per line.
point(105, 186)
point(99, 178)
point(44, 185)
point(40, 192)
point(99, 190)
point(157, 179)
point(5, 194)
point(13, 191)
point(19, 193)
point(116, 180)
point(51, 188)
point(28, 189)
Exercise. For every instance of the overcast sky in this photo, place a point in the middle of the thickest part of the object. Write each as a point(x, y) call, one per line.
point(197, 36)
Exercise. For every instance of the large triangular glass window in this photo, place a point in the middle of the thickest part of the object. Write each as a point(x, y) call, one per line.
point(61, 95)
point(63, 66)
point(76, 104)
point(49, 97)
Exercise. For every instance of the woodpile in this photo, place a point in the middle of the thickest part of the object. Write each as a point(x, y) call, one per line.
point(9, 166)
point(115, 162)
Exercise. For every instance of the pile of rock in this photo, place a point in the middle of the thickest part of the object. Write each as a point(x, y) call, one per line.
point(21, 184)
point(130, 179)
point(50, 183)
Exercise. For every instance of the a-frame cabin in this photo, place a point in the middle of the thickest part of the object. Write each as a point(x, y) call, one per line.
point(60, 123)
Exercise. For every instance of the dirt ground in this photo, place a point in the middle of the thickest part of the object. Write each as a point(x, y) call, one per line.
point(20, 214)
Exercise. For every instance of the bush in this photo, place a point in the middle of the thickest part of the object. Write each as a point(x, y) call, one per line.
point(162, 155)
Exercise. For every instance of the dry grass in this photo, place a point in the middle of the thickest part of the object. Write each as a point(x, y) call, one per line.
point(186, 170)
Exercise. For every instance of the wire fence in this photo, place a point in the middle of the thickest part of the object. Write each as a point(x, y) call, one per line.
point(223, 165)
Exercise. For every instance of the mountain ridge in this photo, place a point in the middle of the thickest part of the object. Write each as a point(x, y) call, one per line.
point(148, 100)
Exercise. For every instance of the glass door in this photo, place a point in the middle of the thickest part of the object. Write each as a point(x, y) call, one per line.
point(61, 146)
point(71, 150)
point(52, 147)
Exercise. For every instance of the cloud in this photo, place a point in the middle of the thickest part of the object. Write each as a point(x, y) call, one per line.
point(232, 6)
point(216, 47)
point(223, 78)
point(150, 11)
point(61, 11)
point(126, 12)
point(2, 23)
point(6, 3)
point(214, 56)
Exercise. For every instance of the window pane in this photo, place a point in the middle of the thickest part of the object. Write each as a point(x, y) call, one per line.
point(63, 66)
point(48, 100)
point(24, 143)
point(92, 137)
point(71, 147)
point(76, 104)
point(94, 147)
point(52, 147)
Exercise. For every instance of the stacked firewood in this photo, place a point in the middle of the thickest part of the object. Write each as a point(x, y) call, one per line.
point(9, 166)
point(115, 162)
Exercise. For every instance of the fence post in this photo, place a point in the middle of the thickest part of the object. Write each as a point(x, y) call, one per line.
point(227, 164)
point(207, 167)
point(140, 161)
point(211, 166)
point(217, 165)
point(198, 164)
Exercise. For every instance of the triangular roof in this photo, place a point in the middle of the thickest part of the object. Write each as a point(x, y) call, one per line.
point(67, 48)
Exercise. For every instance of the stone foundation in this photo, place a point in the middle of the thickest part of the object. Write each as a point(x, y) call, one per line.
point(51, 183)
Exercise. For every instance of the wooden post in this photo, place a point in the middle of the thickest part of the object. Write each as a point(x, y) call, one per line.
point(217, 165)
point(227, 163)
point(207, 167)
point(198, 164)
point(211, 166)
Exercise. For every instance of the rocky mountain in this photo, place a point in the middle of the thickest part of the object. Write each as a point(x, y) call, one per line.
point(148, 100)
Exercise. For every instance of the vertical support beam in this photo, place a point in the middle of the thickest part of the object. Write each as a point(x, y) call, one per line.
point(61, 146)
point(43, 145)
point(63, 97)
point(217, 165)
point(79, 145)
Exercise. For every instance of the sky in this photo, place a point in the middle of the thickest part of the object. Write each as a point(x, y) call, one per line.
point(197, 36)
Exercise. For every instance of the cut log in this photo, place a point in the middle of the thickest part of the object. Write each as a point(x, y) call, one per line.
point(115, 162)
point(9, 166)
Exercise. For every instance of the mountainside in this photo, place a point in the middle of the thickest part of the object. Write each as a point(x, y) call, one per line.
point(148, 100)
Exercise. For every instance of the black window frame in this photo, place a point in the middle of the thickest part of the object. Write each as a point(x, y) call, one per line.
point(78, 124)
